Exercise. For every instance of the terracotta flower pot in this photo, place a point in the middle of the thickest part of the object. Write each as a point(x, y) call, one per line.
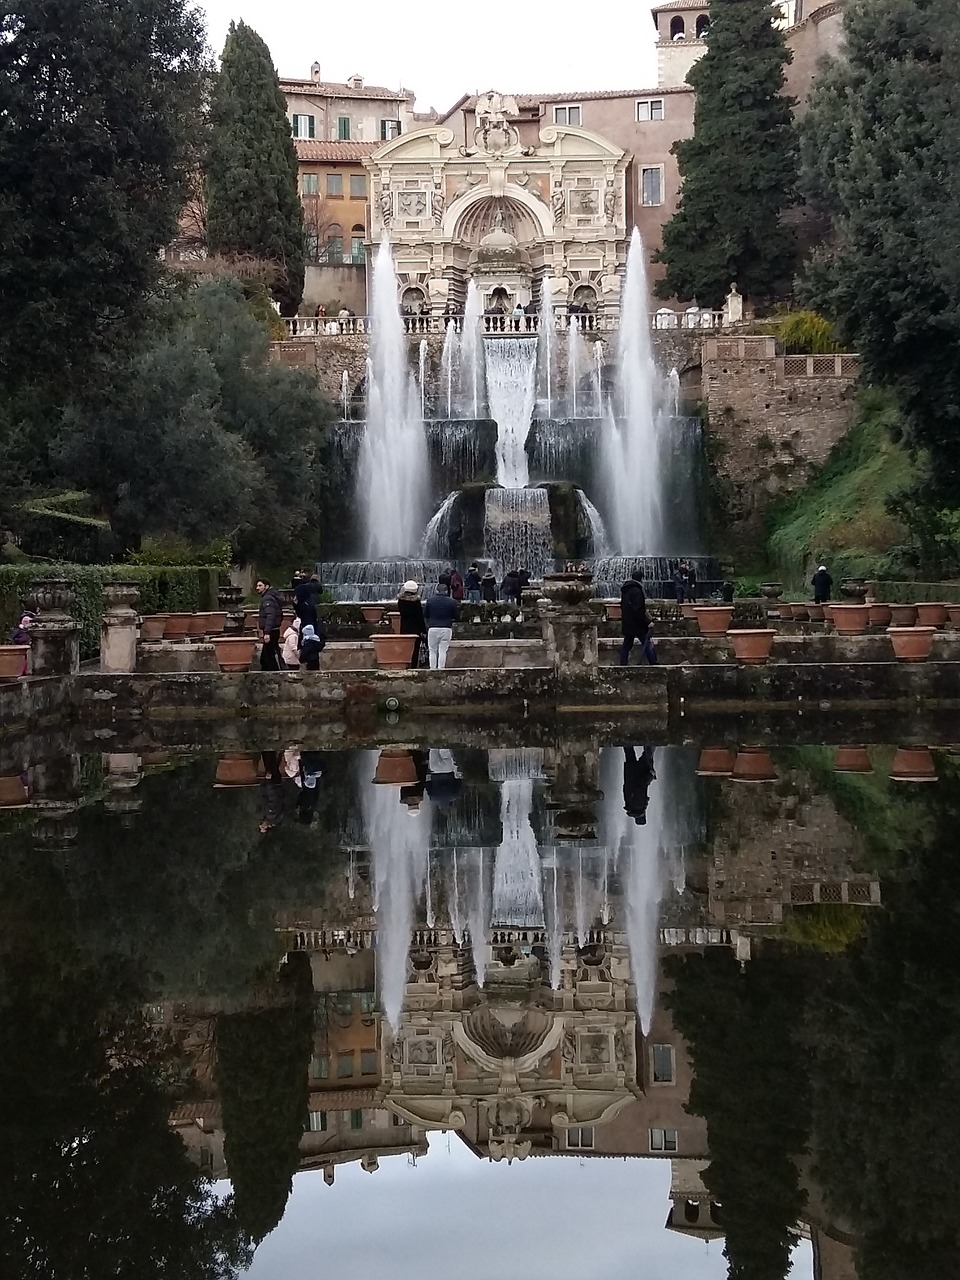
point(752, 647)
point(250, 619)
point(395, 769)
point(612, 610)
point(372, 613)
point(716, 762)
point(215, 623)
point(903, 615)
point(393, 651)
point(801, 612)
point(238, 771)
point(152, 626)
point(177, 626)
point(913, 764)
point(688, 610)
point(13, 658)
point(852, 760)
point(815, 612)
point(235, 653)
point(197, 625)
point(953, 613)
point(713, 620)
point(394, 620)
point(753, 764)
point(13, 794)
point(931, 615)
point(828, 613)
point(880, 615)
point(851, 619)
point(911, 644)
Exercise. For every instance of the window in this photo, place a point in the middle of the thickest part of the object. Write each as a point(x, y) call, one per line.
point(389, 129)
point(663, 1139)
point(661, 1056)
point(334, 252)
point(356, 1119)
point(368, 999)
point(580, 1139)
point(358, 186)
point(649, 109)
point(304, 126)
point(358, 254)
point(317, 1121)
point(678, 28)
point(368, 1062)
point(334, 186)
point(703, 24)
point(319, 1067)
point(343, 128)
point(651, 184)
point(310, 184)
point(566, 115)
point(344, 1066)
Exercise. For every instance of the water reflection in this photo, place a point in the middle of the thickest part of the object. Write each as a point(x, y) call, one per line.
point(304, 960)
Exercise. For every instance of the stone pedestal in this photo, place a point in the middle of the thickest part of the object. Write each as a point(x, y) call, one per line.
point(118, 629)
point(569, 626)
point(230, 600)
point(54, 786)
point(54, 637)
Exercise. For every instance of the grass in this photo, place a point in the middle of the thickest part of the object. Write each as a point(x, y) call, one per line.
point(841, 516)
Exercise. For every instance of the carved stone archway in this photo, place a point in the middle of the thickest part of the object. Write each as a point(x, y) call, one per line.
point(538, 211)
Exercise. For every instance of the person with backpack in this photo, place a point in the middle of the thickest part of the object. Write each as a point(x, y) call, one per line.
point(311, 647)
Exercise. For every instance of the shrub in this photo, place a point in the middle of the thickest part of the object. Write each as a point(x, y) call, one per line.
point(807, 333)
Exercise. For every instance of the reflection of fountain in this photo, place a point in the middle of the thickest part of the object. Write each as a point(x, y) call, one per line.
point(517, 898)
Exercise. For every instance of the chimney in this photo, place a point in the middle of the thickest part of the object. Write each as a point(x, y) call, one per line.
point(315, 72)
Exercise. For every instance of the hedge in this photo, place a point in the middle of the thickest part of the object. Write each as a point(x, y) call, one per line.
point(167, 589)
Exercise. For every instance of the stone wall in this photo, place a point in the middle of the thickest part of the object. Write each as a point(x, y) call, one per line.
point(772, 420)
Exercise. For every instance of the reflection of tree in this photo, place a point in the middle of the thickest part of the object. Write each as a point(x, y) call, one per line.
point(752, 1087)
point(262, 1068)
point(318, 217)
point(93, 1181)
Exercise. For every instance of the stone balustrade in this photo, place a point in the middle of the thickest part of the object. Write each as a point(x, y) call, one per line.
point(694, 318)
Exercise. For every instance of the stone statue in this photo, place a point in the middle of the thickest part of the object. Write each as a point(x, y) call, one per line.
point(557, 203)
point(386, 205)
point(733, 306)
point(494, 134)
point(610, 202)
point(439, 203)
point(498, 220)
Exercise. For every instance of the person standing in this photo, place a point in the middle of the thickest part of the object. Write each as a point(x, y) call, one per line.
point(412, 621)
point(679, 583)
point(290, 649)
point(312, 645)
point(472, 584)
point(691, 583)
point(635, 621)
point(440, 613)
point(269, 622)
point(21, 635)
point(488, 587)
point(306, 593)
point(822, 585)
point(456, 584)
point(510, 587)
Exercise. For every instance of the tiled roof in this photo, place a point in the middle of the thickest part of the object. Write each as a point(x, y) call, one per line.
point(341, 152)
point(330, 89)
point(527, 100)
point(680, 4)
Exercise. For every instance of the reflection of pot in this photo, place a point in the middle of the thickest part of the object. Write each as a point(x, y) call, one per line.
point(879, 615)
point(238, 771)
point(912, 644)
point(913, 764)
point(394, 651)
point(931, 615)
point(903, 615)
point(753, 764)
point(372, 613)
point(395, 769)
point(716, 762)
point(752, 647)
point(13, 794)
point(177, 626)
point(713, 620)
point(12, 659)
point(234, 653)
point(851, 619)
point(152, 626)
point(852, 760)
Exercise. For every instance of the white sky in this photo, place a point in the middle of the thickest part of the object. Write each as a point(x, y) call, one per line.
point(442, 50)
point(454, 1217)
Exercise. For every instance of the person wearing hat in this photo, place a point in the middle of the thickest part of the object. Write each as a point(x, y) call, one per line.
point(822, 585)
point(412, 621)
point(312, 645)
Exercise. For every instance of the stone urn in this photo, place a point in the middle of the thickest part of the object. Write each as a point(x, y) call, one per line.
point(234, 653)
point(854, 590)
point(393, 651)
point(931, 615)
point(152, 626)
point(229, 597)
point(570, 590)
point(235, 770)
point(851, 619)
point(880, 615)
point(913, 764)
point(121, 597)
point(911, 644)
point(713, 620)
point(395, 768)
point(903, 615)
point(716, 762)
point(51, 597)
point(753, 764)
point(753, 647)
point(13, 660)
point(771, 590)
point(852, 760)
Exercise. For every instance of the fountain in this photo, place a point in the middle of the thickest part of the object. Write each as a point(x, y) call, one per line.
point(471, 400)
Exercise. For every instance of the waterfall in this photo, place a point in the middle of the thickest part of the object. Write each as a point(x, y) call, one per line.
point(422, 370)
point(470, 400)
point(345, 393)
point(448, 363)
point(632, 439)
point(393, 472)
point(598, 534)
point(436, 539)
point(511, 372)
point(575, 360)
point(598, 376)
point(516, 530)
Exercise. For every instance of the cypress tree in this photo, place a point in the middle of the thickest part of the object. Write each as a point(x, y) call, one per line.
point(739, 169)
point(253, 203)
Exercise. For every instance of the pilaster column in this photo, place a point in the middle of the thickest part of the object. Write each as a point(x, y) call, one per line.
point(119, 628)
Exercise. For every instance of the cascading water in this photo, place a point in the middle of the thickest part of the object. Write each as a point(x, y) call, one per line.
point(436, 539)
point(547, 345)
point(393, 473)
point(517, 893)
point(422, 370)
point(511, 388)
point(448, 364)
point(470, 403)
point(516, 530)
point(598, 534)
point(575, 361)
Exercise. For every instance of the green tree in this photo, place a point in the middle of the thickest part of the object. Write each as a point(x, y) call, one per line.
point(253, 201)
point(880, 160)
point(739, 169)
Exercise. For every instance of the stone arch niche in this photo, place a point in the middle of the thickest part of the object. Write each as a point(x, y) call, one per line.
point(527, 209)
point(482, 217)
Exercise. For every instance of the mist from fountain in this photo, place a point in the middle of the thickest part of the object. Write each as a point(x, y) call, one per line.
point(392, 476)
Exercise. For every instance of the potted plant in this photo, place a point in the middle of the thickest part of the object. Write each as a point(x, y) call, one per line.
point(393, 651)
point(815, 612)
point(13, 792)
point(911, 644)
point(713, 620)
point(852, 760)
point(234, 653)
point(152, 626)
point(372, 613)
point(850, 619)
point(177, 626)
point(752, 647)
point(880, 615)
point(903, 615)
point(612, 610)
point(953, 613)
point(13, 660)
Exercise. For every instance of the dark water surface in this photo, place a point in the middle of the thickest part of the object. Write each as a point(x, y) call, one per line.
point(306, 1011)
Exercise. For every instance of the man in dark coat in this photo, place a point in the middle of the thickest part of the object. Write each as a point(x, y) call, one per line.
point(306, 594)
point(269, 622)
point(637, 776)
point(634, 620)
point(822, 585)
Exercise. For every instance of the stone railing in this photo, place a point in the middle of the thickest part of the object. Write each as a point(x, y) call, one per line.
point(823, 366)
point(327, 327)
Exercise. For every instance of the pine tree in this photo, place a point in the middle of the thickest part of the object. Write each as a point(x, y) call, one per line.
point(738, 169)
point(880, 159)
point(253, 204)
